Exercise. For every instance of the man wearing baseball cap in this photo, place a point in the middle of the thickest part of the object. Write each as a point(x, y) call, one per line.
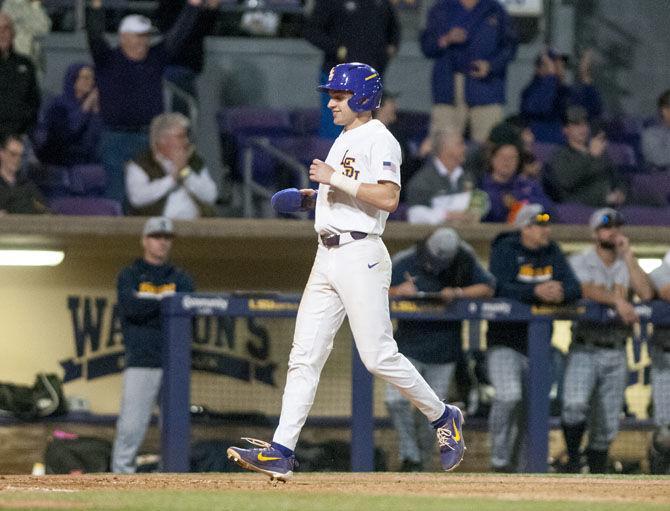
point(141, 287)
point(659, 450)
point(130, 81)
point(596, 370)
point(529, 267)
point(446, 266)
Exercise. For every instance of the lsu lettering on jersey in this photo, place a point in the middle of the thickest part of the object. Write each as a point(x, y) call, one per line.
point(368, 154)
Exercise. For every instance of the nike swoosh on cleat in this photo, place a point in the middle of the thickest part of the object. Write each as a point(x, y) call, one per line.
point(373, 265)
point(457, 434)
point(262, 457)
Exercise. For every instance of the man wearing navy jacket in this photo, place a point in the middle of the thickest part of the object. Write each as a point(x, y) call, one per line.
point(471, 42)
point(531, 268)
point(141, 287)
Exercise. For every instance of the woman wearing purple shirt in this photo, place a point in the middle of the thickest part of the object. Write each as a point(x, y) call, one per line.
point(506, 189)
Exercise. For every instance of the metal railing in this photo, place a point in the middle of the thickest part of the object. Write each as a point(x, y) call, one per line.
point(252, 189)
point(172, 91)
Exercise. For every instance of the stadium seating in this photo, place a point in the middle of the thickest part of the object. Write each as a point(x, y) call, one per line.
point(90, 180)
point(651, 189)
point(572, 213)
point(86, 206)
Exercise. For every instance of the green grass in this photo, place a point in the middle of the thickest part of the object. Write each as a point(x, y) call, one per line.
point(166, 500)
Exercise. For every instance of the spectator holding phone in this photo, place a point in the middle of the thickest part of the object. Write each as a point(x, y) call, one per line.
point(471, 42)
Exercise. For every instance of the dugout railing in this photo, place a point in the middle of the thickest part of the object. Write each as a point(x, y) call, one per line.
point(179, 310)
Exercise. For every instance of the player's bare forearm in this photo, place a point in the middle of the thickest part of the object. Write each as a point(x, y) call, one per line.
point(601, 295)
point(478, 291)
point(664, 293)
point(384, 195)
point(638, 279)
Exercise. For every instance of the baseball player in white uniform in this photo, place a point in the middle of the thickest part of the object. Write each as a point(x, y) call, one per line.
point(359, 184)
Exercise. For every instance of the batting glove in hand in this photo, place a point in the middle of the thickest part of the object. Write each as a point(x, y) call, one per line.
point(290, 200)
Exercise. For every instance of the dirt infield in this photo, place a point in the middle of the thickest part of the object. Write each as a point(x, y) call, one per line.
point(527, 487)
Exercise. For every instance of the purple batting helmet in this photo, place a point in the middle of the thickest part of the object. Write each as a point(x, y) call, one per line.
point(361, 80)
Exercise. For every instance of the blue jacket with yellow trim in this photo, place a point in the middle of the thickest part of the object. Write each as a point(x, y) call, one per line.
point(140, 288)
point(518, 270)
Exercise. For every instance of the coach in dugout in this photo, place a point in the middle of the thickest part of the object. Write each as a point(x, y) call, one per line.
point(130, 79)
point(596, 369)
point(446, 265)
point(141, 287)
point(531, 268)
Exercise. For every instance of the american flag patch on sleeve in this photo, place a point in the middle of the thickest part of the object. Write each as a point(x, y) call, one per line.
point(390, 166)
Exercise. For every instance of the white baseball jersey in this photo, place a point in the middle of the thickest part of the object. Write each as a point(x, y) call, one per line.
point(368, 154)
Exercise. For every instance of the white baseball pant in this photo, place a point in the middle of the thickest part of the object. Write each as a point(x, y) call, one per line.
point(351, 279)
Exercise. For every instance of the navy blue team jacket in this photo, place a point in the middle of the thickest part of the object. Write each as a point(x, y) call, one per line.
point(140, 315)
point(517, 271)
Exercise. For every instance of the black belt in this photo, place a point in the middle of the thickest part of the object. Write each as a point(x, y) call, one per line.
point(333, 240)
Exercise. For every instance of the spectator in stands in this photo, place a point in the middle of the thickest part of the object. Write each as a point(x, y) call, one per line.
point(169, 178)
point(68, 131)
point(447, 266)
point(351, 31)
point(546, 98)
point(18, 84)
point(512, 130)
point(140, 288)
point(414, 151)
point(596, 370)
point(18, 194)
point(31, 22)
point(656, 138)
point(130, 79)
point(580, 170)
point(507, 189)
point(659, 450)
point(441, 175)
point(188, 62)
point(472, 42)
point(529, 267)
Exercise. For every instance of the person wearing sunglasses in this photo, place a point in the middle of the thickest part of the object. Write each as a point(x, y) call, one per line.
point(596, 369)
point(531, 268)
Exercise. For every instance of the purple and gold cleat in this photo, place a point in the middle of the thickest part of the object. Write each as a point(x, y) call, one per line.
point(450, 439)
point(266, 460)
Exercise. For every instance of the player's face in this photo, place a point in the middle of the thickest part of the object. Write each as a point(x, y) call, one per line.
point(157, 247)
point(343, 115)
point(606, 237)
point(538, 235)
